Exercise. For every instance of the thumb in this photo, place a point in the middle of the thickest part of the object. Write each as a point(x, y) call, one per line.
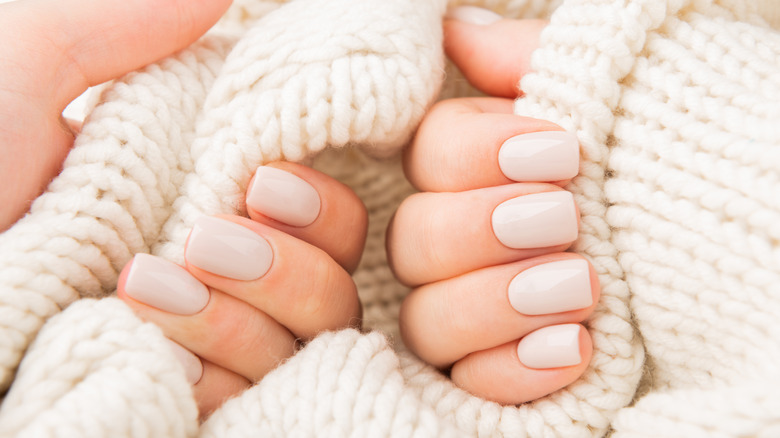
point(79, 43)
point(52, 51)
point(493, 53)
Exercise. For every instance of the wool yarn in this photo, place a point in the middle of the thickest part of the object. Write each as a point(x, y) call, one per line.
point(673, 102)
point(676, 106)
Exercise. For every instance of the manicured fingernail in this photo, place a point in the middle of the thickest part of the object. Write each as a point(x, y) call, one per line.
point(165, 285)
point(551, 347)
point(536, 221)
point(473, 15)
point(552, 288)
point(228, 249)
point(283, 196)
point(540, 156)
point(193, 367)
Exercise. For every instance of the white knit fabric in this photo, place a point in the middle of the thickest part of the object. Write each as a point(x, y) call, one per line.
point(675, 102)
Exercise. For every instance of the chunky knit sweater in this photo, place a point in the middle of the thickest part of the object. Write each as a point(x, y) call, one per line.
point(677, 107)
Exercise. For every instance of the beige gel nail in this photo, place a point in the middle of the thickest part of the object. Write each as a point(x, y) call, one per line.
point(473, 15)
point(228, 249)
point(552, 288)
point(283, 196)
point(165, 285)
point(193, 367)
point(551, 347)
point(536, 221)
point(540, 156)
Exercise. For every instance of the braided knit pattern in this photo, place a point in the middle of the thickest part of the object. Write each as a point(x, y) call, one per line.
point(675, 103)
point(676, 106)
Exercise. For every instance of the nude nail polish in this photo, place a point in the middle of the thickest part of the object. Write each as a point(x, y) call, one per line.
point(551, 347)
point(540, 156)
point(165, 285)
point(228, 249)
point(536, 221)
point(473, 15)
point(283, 196)
point(193, 367)
point(552, 287)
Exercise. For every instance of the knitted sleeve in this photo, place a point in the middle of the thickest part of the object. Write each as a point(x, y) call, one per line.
point(675, 102)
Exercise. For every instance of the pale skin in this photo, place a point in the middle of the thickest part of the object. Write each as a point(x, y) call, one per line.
point(53, 56)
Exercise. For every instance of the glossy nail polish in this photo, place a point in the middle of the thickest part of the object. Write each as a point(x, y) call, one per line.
point(540, 156)
point(283, 196)
point(193, 367)
point(552, 287)
point(536, 221)
point(551, 347)
point(228, 249)
point(165, 285)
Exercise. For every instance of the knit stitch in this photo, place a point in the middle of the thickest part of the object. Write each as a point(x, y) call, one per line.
point(675, 103)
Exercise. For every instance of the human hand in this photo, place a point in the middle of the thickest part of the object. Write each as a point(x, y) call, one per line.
point(252, 286)
point(52, 52)
point(495, 298)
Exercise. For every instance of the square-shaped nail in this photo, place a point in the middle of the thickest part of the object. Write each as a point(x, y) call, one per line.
point(283, 196)
point(228, 249)
point(551, 347)
point(552, 287)
point(536, 221)
point(167, 286)
point(540, 156)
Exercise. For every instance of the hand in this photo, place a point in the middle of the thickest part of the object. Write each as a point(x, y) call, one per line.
point(252, 286)
point(52, 52)
point(495, 301)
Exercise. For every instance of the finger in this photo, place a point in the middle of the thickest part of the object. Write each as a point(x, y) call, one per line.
point(445, 321)
point(492, 56)
point(215, 326)
point(212, 384)
point(311, 206)
point(435, 236)
point(72, 44)
point(295, 283)
point(465, 144)
point(215, 386)
point(501, 374)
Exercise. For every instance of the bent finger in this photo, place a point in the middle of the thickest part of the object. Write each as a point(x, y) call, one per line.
point(471, 143)
point(541, 363)
point(435, 236)
point(214, 325)
point(312, 207)
point(495, 55)
point(295, 283)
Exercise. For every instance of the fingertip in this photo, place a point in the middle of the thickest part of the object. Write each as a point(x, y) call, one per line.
point(586, 347)
point(312, 206)
point(493, 57)
point(120, 285)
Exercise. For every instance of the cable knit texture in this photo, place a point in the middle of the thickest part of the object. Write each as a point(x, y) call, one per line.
point(676, 104)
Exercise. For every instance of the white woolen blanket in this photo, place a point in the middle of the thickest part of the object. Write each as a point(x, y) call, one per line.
point(677, 107)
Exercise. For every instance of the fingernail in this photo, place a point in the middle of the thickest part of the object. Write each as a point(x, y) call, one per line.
point(193, 367)
point(540, 156)
point(228, 249)
point(552, 288)
point(536, 221)
point(473, 15)
point(283, 196)
point(551, 347)
point(165, 285)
